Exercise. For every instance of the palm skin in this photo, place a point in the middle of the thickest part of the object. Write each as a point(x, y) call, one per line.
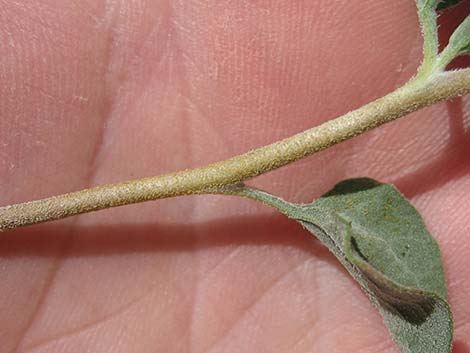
point(95, 92)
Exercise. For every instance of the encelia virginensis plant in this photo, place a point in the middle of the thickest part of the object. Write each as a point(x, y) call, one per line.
point(376, 234)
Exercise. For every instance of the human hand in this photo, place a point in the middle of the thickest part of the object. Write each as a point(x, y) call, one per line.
point(100, 92)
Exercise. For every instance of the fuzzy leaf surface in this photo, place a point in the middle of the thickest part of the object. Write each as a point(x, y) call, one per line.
point(436, 4)
point(382, 241)
point(447, 3)
point(459, 41)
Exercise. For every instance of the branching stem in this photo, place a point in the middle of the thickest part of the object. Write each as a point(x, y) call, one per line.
point(414, 95)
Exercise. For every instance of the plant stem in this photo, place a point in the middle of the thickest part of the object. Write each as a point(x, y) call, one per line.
point(428, 24)
point(254, 194)
point(414, 95)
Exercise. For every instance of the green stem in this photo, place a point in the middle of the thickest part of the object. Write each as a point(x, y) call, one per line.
point(446, 56)
point(428, 24)
point(253, 194)
point(411, 97)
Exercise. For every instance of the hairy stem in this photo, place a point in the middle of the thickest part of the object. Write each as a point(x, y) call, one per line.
point(411, 97)
point(428, 24)
point(253, 194)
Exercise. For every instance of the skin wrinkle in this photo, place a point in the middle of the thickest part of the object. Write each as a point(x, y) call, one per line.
point(108, 317)
point(186, 127)
point(183, 297)
point(421, 166)
point(317, 342)
point(35, 13)
point(200, 283)
point(85, 10)
point(158, 64)
point(192, 318)
point(50, 97)
point(250, 306)
point(341, 327)
point(184, 90)
point(381, 346)
point(57, 262)
point(303, 337)
point(206, 123)
point(245, 311)
point(40, 303)
point(213, 271)
point(107, 106)
point(224, 260)
point(88, 181)
point(314, 321)
point(410, 64)
point(94, 165)
point(450, 165)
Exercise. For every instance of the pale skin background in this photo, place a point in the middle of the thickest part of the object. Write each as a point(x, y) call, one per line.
point(94, 92)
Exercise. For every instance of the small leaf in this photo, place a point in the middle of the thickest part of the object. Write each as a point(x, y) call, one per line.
point(436, 4)
point(459, 41)
point(459, 44)
point(447, 3)
point(382, 241)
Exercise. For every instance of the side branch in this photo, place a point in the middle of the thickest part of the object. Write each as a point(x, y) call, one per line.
point(409, 98)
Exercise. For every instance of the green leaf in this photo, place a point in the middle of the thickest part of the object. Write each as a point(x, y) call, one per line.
point(459, 41)
point(447, 3)
point(382, 241)
point(459, 44)
point(436, 4)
